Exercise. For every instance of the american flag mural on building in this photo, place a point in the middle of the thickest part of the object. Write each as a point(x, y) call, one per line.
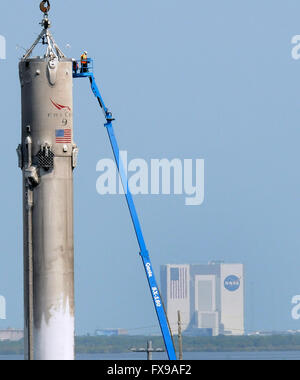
point(178, 283)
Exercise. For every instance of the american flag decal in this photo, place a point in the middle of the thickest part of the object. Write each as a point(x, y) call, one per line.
point(63, 136)
point(179, 283)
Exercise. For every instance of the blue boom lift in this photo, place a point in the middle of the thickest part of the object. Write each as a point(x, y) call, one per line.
point(86, 71)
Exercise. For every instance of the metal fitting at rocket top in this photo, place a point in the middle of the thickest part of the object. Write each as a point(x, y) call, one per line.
point(47, 156)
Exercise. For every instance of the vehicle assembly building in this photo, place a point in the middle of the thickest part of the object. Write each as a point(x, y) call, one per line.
point(210, 298)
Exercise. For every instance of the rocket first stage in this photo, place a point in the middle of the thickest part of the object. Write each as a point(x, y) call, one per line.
point(47, 157)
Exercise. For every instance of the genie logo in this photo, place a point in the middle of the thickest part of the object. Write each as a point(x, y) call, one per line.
point(232, 283)
point(149, 271)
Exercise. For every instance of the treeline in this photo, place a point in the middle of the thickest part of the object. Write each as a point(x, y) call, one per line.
point(191, 344)
point(12, 348)
point(122, 344)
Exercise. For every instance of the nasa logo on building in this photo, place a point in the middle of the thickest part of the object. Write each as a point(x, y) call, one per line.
point(232, 283)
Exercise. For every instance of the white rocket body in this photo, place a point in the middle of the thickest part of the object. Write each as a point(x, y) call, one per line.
point(47, 156)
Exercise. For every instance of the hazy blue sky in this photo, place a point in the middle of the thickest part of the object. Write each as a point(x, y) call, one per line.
point(185, 79)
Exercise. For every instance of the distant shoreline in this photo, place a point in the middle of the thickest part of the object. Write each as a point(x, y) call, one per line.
point(123, 344)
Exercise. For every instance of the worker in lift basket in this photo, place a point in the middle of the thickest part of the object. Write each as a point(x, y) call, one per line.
point(84, 62)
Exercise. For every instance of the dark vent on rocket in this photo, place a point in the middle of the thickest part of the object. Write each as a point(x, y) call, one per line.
point(45, 158)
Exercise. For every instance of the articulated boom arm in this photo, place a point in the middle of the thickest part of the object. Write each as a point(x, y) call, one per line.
point(159, 307)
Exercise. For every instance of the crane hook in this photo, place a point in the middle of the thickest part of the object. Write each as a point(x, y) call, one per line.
point(45, 6)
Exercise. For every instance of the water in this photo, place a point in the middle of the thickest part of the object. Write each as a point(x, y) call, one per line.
point(268, 355)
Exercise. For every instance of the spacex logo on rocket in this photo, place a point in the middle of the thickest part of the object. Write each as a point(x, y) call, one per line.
point(60, 107)
point(65, 111)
